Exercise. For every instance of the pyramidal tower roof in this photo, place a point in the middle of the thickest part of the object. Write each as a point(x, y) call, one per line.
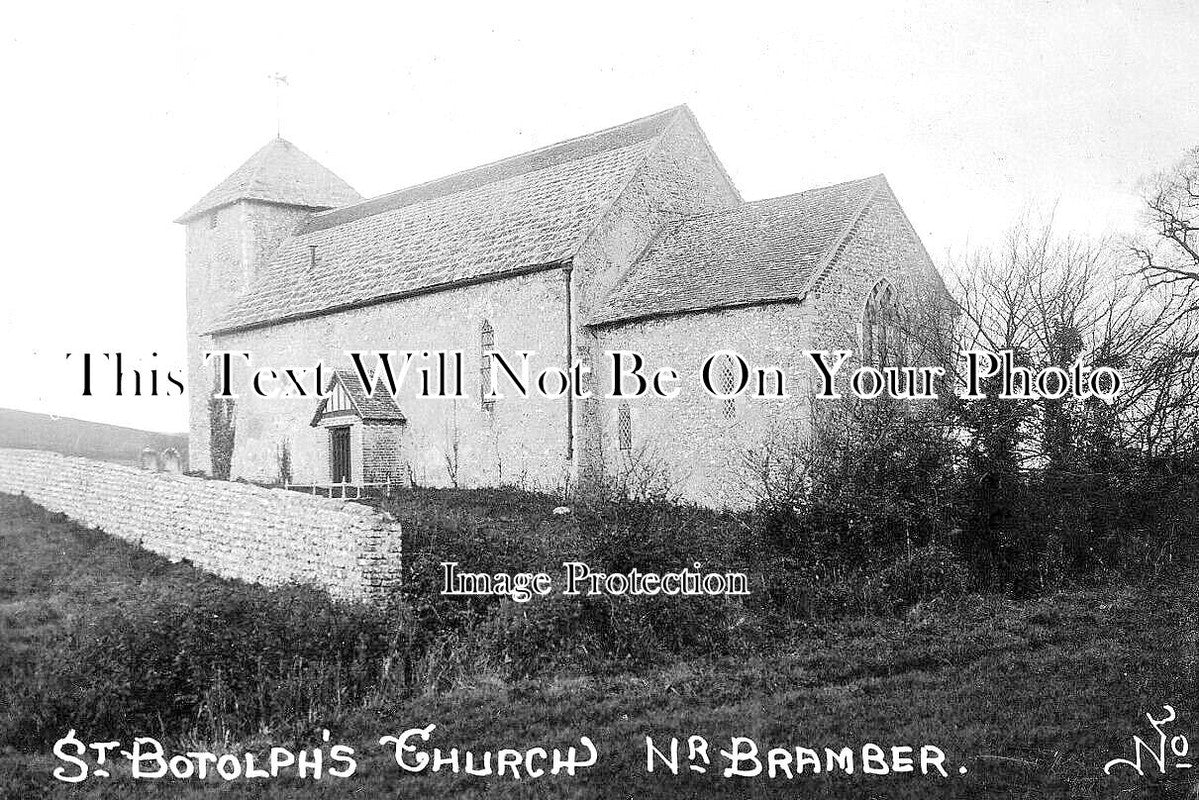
point(278, 173)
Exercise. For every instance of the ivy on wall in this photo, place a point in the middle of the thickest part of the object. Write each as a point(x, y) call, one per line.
point(222, 427)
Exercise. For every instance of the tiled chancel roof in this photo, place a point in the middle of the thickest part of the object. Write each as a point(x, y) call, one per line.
point(379, 407)
point(758, 252)
point(278, 173)
point(524, 212)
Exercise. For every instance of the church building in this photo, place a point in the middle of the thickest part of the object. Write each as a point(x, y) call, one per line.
point(633, 238)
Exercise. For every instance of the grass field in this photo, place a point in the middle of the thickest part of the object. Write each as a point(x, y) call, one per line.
point(27, 430)
point(1032, 697)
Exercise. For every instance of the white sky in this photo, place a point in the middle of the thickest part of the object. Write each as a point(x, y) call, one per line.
point(117, 117)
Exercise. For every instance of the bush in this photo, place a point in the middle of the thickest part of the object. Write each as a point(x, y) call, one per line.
point(868, 484)
point(510, 531)
point(225, 661)
point(613, 633)
point(930, 572)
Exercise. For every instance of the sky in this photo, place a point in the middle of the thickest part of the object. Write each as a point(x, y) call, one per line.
point(117, 117)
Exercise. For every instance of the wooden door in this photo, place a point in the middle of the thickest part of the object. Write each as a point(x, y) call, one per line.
point(339, 455)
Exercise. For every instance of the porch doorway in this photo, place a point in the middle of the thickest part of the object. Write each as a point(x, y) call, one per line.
point(342, 470)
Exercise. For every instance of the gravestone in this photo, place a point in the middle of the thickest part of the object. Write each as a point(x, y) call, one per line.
point(171, 461)
point(150, 459)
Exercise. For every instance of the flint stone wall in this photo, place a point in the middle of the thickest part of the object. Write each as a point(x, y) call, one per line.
point(267, 536)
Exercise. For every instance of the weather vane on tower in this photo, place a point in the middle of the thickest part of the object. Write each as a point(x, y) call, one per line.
point(280, 81)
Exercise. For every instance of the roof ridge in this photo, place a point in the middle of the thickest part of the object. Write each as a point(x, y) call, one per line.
point(498, 161)
point(315, 222)
point(699, 215)
point(352, 373)
point(876, 177)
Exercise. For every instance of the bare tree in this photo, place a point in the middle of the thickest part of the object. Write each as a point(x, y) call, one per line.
point(1171, 257)
point(1053, 300)
point(1052, 476)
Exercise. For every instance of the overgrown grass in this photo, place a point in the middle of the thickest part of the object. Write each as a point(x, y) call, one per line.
point(1032, 696)
point(106, 635)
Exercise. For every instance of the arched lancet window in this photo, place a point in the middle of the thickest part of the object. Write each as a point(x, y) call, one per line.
point(486, 344)
point(882, 343)
point(624, 426)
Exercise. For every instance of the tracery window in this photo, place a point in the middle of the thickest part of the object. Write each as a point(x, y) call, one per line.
point(882, 344)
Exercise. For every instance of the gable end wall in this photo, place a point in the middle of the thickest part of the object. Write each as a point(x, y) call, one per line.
point(689, 436)
point(681, 176)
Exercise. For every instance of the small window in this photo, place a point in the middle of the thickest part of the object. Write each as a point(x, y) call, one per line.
point(624, 426)
point(728, 383)
point(213, 219)
point(486, 345)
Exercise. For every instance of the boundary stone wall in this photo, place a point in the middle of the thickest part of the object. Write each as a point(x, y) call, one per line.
point(238, 530)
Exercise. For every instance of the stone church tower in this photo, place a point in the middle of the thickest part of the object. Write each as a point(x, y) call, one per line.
point(231, 233)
